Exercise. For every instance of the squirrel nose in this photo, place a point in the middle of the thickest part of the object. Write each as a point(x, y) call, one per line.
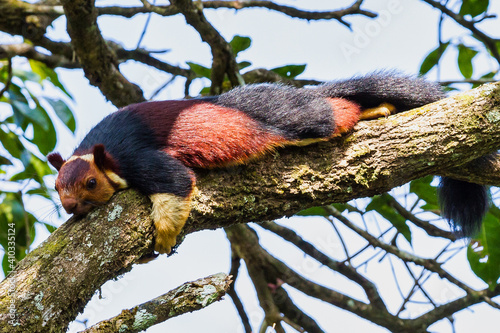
point(70, 205)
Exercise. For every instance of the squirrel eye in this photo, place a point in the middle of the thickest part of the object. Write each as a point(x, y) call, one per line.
point(91, 184)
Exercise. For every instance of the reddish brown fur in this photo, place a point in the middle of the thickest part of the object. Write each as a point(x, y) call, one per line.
point(345, 113)
point(202, 134)
point(71, 185)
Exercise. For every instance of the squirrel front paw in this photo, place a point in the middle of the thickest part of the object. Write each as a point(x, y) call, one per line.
point(169, 214)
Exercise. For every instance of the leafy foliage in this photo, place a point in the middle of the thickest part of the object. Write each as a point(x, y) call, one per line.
point(26, 136)
point(474, 7)
point(289, 71)
point(432, 59)
point(465, 56)
point(483, 252)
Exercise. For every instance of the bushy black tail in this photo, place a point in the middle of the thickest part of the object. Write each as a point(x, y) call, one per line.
point(463, 204)
point(402, 91)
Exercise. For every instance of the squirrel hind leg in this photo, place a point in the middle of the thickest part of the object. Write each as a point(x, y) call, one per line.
point(169, 214)
point(383, 110)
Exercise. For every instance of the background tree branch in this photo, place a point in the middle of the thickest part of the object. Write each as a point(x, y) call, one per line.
point(188, 297)
point(98, 61)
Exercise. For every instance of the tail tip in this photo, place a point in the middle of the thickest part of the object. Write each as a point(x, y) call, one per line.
point(463, 205)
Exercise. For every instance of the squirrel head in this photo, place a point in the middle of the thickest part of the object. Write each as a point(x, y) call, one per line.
point(86, 181)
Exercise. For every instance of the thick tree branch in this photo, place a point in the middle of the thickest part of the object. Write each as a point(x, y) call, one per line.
point(377, 156)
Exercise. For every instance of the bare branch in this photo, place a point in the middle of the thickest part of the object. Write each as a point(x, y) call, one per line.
point(246, 243)
point(338, 15)
point(28, 51)
point(346, 270)
point(429, 228)
point(188, 297)
point(235, 266)
point(429, 264)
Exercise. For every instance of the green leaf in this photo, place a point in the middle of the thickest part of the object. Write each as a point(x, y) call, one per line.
point(47, 73)
point(313, 211)
point(473, 7)
point(484, 253)
point(26, 75)
point(36, 115)
point(41, 191)
point(465, 56)
point(200, 70)
point(424, 190)
point(205, 91)
point(345, 206)
point(16, 94)
point(240, 43)
point(382, 205)
point(289, 71)
point(495, 211)
point(7, 265)
point(244, 64)
point(49, 227)
point(432, 59)
point(44, 138)
point(11, 143)
point(63, 112)
point(35, 169)
point(490, 75)
point(5, 161)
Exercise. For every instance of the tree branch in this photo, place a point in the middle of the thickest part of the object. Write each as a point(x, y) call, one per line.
point(189, 297)
point(98, 61)
point(28, 51)
point(293, 12)
point(340, 267)
point(223, 61)
point(377, 156)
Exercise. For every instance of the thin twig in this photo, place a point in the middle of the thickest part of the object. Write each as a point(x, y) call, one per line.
point(148, 19)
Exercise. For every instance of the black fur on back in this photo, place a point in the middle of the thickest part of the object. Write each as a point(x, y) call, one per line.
point(122, 133)
point(134, 147)
point(463, 204)
point(295, 113)
point(404, 92)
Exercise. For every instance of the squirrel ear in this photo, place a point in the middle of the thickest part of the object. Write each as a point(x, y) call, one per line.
point(103, 159)
point(56, 160)
point(100, 156)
